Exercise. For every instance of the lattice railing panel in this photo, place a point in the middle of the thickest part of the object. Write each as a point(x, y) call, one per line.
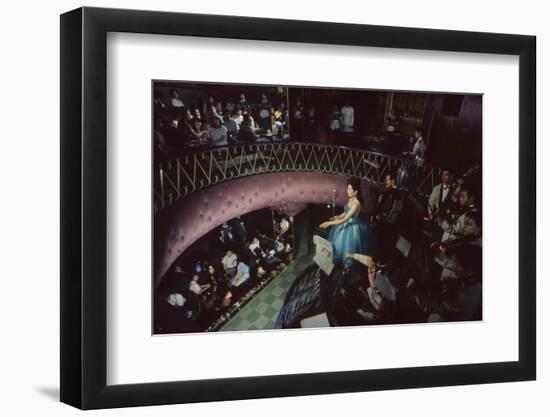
point(183, 176)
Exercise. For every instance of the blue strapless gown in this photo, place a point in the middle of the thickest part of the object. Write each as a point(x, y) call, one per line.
point(353, 236)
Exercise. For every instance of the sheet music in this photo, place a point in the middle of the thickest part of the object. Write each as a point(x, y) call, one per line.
point(323, 254)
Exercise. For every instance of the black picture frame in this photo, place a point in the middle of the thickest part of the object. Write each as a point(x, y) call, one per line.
point(84, 207)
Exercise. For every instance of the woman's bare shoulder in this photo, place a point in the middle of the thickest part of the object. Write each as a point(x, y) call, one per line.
point(354, 203)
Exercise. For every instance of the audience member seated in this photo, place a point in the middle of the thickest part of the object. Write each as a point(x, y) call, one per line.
point(205, 134)
point(230, 124)
point(198, 117)
point(278, 127)
point(218, 133)
point(256, 249)
point(271, 258)
point(284, 226)
point(205, 297)
point(213, 277)
point(176, 102)
point(260, 272)
point(279, 245)
point(195, 287)
point(251, 121)
point(243, 274)
point(176, 300)
point(238, 117)
point(227, 299)
point(288, 248)
point(212, 113)
point(186, 133)
point(246, 133)
point(229, 262)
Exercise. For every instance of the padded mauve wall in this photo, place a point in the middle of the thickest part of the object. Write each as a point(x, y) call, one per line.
point(185, 221)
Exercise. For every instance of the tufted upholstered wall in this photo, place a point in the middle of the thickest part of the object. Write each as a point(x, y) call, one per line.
point(185, 221)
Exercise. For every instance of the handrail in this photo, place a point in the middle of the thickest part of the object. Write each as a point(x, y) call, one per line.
point(180, 177)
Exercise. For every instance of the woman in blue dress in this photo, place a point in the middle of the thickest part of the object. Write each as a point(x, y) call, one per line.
point(349, 232)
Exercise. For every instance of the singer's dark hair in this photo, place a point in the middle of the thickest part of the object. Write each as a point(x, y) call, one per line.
point(356, 185)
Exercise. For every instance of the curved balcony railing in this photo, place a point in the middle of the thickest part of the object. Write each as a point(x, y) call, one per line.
point(178, 178)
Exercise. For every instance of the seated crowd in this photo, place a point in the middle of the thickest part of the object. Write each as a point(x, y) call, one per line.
point(434, 274)
point(235, 267)
point(217, 123)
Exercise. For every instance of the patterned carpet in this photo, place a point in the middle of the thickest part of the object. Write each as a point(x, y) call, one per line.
point(262, 311)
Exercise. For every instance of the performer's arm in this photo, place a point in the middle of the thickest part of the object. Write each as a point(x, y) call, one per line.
point(352, 210)
point(365, 260)
point(338, 217)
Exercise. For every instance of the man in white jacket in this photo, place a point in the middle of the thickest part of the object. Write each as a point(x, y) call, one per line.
point(443, 194)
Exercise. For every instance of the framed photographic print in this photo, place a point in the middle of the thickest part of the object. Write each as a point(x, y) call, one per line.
point(256, 208)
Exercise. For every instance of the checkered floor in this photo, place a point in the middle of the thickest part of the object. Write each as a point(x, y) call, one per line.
point(261, 312)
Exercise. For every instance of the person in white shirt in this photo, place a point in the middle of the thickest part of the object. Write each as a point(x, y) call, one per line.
point(284, 225)
point(176, 102)
point(229, 262)
point(255, 247)
point(176, 300)
point(218, 133)
point(238, 117)
point(194, 286)
point(348, 117)
point(442, 194)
